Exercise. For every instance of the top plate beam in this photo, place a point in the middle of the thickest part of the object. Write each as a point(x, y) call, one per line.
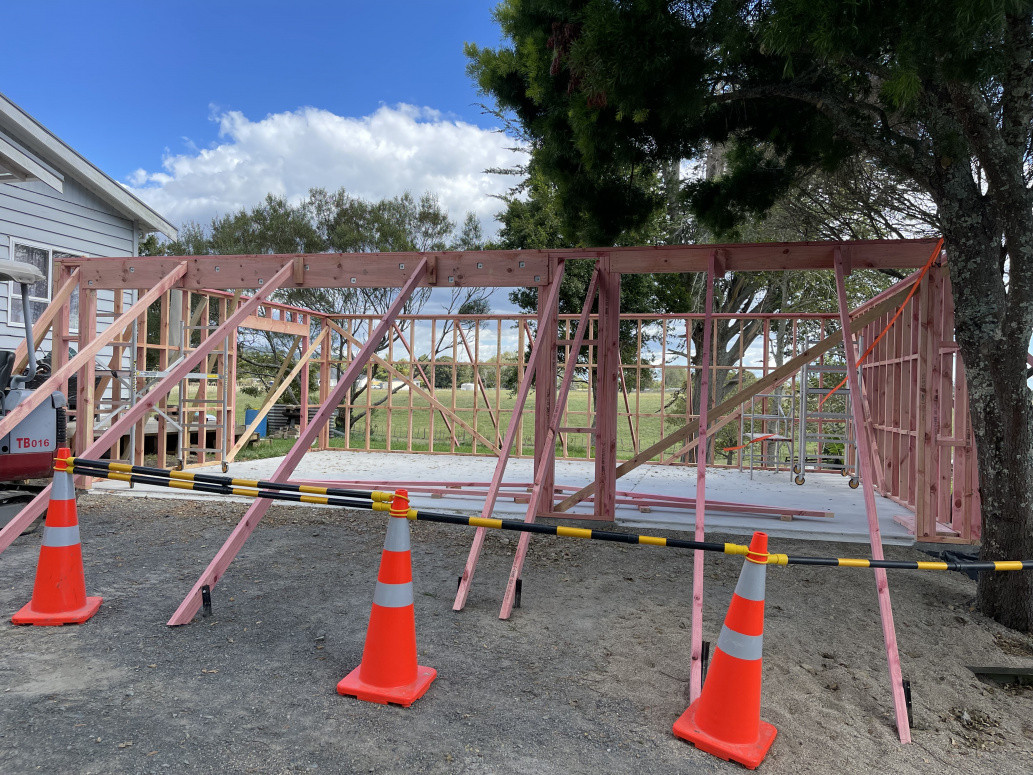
point(323, 270)
point(489, 268)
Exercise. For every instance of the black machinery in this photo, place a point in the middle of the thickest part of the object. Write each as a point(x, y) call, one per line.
point(27, 451)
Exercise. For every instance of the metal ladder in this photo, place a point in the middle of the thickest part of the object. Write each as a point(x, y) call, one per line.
point(777, 410)
point(830, 434)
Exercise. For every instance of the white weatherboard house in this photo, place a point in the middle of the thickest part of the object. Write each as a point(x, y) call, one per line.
point(55, 204)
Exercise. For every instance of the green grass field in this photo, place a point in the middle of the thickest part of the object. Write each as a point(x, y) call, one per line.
point(430, 431)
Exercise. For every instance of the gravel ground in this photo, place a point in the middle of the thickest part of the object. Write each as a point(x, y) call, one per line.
point(587, 677)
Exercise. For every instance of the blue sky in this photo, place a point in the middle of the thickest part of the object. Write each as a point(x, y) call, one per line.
point(202, 107)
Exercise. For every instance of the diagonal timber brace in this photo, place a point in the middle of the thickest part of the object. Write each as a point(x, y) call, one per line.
point(549, 446)
point(864, 459)
point(217, 567)
point(547, 322)
point(279, 390)
point(36, 507)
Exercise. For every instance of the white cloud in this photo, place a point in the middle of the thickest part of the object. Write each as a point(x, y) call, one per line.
point(394, 150)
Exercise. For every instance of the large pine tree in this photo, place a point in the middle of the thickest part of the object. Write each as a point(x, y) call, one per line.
point(937, 94)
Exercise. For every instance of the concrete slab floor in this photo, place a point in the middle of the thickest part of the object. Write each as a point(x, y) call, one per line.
point(821, 492)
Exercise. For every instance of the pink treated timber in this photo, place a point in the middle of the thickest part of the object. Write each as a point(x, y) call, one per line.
point(696, 667)
point(546, 323)
point(865, 460)
point(89, 349)
point(549, 444)
point(491, 268)
point(607, 375)
point(86, 388)
point(545, 374)
point(257, 510)
point(36, 507)
point(623, 498)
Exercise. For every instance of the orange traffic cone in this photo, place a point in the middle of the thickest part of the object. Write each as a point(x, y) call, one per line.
point(59, 596)
point(388, 671)
point(725, 720)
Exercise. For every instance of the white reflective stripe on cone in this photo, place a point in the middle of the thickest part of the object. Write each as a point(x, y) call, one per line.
point(393, 595)
point(397, 539)
point(751, 582)
point(61, 536)
point(63, 489)
point(740, 646)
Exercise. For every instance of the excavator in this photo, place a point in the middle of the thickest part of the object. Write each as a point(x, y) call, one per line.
point(27, 451)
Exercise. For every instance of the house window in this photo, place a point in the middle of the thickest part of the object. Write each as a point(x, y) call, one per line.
point(42, 258)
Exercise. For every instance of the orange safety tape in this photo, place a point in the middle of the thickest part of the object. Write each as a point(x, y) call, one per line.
point(751, 441)
point(929, 263)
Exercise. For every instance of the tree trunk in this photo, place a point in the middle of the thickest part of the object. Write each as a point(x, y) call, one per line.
point(1002, 420)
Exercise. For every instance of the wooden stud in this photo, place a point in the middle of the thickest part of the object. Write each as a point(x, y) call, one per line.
point(608, 374)
point(696, 664)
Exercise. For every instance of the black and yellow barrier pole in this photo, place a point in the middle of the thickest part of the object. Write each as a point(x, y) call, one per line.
point(189, 476)
point(848, 562)
point(104, 471)
point(255, 489)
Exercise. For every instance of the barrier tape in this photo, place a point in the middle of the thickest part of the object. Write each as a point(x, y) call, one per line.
point(751, 441)
point(88, 468)
point(103, 469)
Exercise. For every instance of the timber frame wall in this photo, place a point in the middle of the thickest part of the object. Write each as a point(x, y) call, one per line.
point(656, 383)
point(912, 430)
point(916, 404)
point(914, 380)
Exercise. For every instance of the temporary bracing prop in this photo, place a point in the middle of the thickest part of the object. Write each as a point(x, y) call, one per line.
point(59, 594)
point(865, 448)
point(376, 500)
point(211, 574)
point(725, 720)
point(388, 672)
